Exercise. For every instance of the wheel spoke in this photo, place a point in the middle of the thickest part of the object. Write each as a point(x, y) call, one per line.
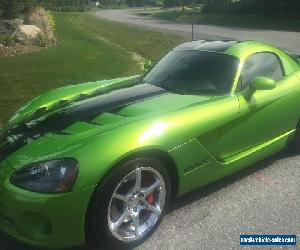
point(119, 222)
point(151, 188)
point(121, 197)
point(151, 208)
point(138, 179)
point(136, 223)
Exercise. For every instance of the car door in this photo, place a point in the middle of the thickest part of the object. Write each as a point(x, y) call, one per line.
point(263, 115)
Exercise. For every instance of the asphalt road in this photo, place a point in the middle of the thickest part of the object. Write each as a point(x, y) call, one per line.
point(282, 39)
point(262, 199)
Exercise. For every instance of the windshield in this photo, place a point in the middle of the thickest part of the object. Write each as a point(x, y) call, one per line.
point(194, 72)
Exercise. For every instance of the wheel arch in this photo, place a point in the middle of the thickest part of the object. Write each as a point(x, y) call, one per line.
point(154, 153)
point(159, 154)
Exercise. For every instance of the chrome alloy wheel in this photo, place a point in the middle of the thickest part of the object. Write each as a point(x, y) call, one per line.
point(136, 204)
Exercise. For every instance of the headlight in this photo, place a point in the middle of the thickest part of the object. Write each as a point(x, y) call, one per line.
point(55, 176)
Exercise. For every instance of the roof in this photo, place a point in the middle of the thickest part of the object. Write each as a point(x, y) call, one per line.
point(245, 48)
point(214, 46)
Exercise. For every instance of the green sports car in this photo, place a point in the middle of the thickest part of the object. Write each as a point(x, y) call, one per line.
point(101, 160)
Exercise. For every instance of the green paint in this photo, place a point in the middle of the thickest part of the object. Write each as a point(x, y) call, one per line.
point(208, 137)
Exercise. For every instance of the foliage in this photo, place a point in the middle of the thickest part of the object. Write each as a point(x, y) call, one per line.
point(42, 19)
point(286, 7)
point(51, 20)
point(170, 3)
point(283, 7)
point(7, 39)
point(43, 40)
point(68, 8)
point(288, 23)
point(173, 3)
point(136, 3)
point(10, 9)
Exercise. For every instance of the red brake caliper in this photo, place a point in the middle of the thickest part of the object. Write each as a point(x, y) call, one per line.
point(150, 198)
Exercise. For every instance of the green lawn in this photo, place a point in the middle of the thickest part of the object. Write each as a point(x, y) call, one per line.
point(88, 50)
point(247, 21)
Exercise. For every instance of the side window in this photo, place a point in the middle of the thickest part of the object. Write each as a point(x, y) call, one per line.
point(261, 64)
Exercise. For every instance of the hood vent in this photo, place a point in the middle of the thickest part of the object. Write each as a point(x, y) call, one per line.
point(108, 118)
point(79, 127)
point(78, 117)
point(86, 125)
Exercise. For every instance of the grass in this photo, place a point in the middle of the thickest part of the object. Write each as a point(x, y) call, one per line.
point(88, 50)
point(230, 20)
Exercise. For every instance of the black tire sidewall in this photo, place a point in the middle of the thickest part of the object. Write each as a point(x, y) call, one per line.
point(294, 145)
point(97, 215)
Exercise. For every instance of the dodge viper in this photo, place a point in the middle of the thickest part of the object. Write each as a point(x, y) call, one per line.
point(102, 160)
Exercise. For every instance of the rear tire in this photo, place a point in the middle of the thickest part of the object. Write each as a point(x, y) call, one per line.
point(129, 204)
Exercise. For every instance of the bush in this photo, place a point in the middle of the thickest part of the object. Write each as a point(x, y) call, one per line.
point(159, 4)
point(43, 41)
point(73, 9)
point(285, 7)
point(39, 17)
point(7, 39)
point(51, 20)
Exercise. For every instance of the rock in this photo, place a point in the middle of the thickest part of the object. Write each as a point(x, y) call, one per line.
point(28, 34)
point(9, 26)
point(38, 16)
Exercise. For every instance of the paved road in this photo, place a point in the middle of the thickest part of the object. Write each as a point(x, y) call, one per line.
point(264, 198)
point(283, 39)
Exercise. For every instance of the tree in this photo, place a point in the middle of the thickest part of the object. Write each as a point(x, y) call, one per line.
point(10, 9)
point(183, 4)
point(271, 7)
point(169, 3)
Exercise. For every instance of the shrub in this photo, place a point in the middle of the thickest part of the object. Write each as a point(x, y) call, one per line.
point(159, 4)
point(39, 17)
point(51, 20)
point(7, 39)
point(73, 9)
point(43, 41)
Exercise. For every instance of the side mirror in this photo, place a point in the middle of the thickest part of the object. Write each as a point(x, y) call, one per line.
point(147, 65)
point(262, 83)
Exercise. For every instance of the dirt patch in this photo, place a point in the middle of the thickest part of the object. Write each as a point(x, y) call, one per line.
point(139, 59)
point(17, 49)
point(134, 56)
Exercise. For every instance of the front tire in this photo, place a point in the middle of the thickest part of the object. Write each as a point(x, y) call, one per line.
point(130, 203)
point(294, 145)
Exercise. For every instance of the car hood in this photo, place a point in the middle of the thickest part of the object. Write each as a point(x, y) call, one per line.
point(41, 134)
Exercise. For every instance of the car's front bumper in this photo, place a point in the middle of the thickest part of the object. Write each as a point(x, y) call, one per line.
point(52, 221)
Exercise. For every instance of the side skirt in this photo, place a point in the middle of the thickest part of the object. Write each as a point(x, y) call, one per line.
point(208, 169)
point(277, 143)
